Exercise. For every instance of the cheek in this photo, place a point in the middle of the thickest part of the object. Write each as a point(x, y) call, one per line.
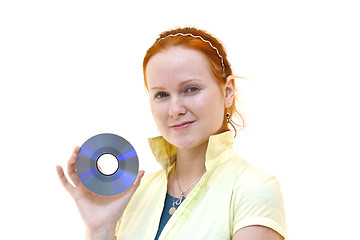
point(211, 106)
point(158, 112)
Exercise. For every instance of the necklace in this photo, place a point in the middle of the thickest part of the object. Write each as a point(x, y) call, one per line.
point(182, 194)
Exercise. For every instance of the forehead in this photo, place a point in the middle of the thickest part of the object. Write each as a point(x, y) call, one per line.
point(177, 64)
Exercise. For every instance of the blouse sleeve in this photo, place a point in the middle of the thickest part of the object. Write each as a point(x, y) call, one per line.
point(257, 200)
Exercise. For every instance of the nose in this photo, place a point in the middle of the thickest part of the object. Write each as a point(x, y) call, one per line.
point(177, 107)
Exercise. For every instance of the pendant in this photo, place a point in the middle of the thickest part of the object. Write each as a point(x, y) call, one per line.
point(172, 210)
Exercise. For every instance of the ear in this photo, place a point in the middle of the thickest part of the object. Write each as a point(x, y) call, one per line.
point(229, 90)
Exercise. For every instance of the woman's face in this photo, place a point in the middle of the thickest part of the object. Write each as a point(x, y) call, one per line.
point(185, 99)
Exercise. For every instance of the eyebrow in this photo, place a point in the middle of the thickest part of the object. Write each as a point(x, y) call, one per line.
point(181, 84)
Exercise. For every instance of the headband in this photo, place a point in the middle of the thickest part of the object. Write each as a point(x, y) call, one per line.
point(202, 39)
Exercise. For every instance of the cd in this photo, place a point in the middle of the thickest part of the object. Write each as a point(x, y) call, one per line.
point(93, 176)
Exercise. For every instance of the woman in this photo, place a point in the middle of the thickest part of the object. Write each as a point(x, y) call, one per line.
point(205, 190)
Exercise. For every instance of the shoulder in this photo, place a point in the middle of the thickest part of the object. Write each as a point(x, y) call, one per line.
point(256, 179)
point(243, 181)
point(244, 173)
point(257, 200)
point(250, 178)
point(257, 186)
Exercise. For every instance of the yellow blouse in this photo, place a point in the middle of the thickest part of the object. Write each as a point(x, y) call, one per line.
point(232, 194)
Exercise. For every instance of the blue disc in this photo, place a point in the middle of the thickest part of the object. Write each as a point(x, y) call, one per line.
point(96, 181)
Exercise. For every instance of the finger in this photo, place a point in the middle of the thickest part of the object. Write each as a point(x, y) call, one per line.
point(60, 172)
point(135, 185)
point(71, 167)
point(138, 178)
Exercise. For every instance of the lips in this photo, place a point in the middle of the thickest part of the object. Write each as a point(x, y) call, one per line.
point(181, 125)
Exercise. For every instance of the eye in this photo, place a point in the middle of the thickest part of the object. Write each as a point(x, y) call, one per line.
point(192, 89)
point(161, 95)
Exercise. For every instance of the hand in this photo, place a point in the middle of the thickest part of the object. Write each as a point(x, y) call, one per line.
point(98, 212)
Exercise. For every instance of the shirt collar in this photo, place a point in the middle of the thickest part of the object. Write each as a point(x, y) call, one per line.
point(219, 144)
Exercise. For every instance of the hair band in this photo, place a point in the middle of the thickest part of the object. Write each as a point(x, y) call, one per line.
point(202, 39)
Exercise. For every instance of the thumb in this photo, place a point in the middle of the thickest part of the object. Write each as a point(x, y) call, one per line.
point(138, 178)
point(136, 183)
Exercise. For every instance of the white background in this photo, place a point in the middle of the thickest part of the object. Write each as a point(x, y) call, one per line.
point(72, 69)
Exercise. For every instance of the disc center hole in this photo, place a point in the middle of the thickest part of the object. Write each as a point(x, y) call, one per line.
point(107, 164)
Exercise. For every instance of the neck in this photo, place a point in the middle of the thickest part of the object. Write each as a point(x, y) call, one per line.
point(190, 166)
point(190, 163)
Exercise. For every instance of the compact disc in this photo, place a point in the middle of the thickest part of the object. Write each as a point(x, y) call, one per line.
point(125, 164)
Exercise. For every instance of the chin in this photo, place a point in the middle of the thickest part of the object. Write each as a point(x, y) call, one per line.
point(187, 142)
point(190, 138)
point(181, 143)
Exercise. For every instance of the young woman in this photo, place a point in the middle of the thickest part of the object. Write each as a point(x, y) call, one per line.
point(204, 189)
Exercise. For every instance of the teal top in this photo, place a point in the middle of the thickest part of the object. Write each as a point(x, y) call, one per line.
point(165, 216)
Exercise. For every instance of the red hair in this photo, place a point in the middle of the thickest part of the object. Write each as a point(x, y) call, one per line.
point(219, 71)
